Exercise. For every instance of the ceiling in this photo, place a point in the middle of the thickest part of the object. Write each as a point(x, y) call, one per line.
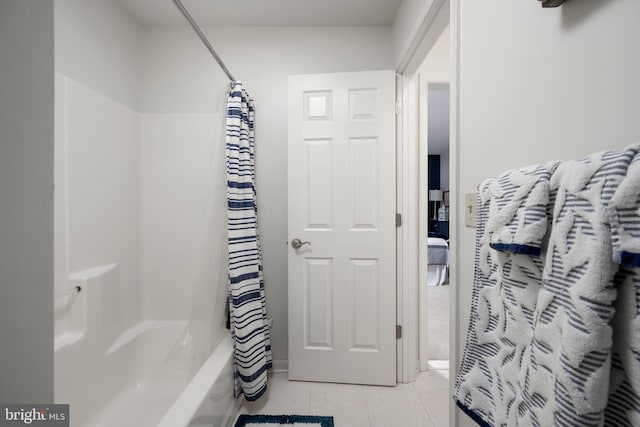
point(287, 13)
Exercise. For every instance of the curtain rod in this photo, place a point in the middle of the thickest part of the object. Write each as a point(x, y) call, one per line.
point(204, 39)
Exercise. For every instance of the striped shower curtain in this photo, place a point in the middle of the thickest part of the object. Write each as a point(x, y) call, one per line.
point(248, 315)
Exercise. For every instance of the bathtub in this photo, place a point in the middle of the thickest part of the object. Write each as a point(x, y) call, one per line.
point(114, 376)
point(208, 398)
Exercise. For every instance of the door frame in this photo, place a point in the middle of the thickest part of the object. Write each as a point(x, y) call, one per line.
point(406, 238)
point(441, 13)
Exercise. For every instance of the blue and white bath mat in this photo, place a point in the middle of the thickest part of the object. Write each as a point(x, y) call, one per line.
point(289, 420)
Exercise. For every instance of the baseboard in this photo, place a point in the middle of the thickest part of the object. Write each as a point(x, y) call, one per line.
point(280, 366)
point(438, 364)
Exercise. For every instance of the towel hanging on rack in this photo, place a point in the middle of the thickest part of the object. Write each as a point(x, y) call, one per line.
point(539, 343)
point(624, 387)
point(518, 209)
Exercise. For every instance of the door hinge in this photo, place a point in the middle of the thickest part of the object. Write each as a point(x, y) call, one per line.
point(398, 220)
point(398, 332)
point(398, 108)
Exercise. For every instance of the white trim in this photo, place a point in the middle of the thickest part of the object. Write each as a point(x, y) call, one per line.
point(428, 32)
point(423, 228)
point(442, 11)
point(280, 365)
point(438, 365)
point(455, 329)
point(408, 238)
point(399, 235)
point(409, 230)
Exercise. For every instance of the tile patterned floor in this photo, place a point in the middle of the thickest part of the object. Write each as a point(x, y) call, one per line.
point(424, 403)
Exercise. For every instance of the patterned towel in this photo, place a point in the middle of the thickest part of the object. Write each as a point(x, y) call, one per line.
point(538, 349)
point(501, 327)
point(625, 218)
point(518, 209)
point(623, 407)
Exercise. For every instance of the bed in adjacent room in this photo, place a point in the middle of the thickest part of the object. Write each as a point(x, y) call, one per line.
point(437, 261)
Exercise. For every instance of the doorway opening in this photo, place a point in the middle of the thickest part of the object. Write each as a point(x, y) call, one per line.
point(434, 311)
point(435, 333)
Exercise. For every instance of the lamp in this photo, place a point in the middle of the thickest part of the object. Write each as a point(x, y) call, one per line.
point(435, 196)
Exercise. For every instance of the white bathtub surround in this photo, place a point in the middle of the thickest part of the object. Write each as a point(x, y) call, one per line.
point(201, 229)
point(99, 363)
point(206, 326)
point(93, 310)
point(144, 385)
point(114, 199)
point(116, 376)
point(96, 192)
point(247, 306)
point(121, 177)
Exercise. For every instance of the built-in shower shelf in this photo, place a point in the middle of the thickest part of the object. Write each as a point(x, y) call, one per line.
point(66, 339)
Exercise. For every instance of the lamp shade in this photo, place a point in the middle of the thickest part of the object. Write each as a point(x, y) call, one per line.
point(435, 195)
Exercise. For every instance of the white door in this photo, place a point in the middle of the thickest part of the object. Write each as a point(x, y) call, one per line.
point(341, 177)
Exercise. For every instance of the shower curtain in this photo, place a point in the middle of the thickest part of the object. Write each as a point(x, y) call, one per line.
point(247, 306)
point(209, 259)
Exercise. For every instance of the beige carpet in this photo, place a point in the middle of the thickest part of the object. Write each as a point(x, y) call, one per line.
point(438, 322)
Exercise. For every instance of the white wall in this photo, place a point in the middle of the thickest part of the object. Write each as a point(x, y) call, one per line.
point(26, 201)
point(438, 127)
point(540, 84)
point(436, 66)
point(180, 75)
point(407, 25)
point(180, 78)
point(444, 171)
point(435, 69)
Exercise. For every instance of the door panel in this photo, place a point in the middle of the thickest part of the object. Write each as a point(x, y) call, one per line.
point(341, 192)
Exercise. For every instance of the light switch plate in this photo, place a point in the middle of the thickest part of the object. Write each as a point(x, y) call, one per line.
point(470, 214)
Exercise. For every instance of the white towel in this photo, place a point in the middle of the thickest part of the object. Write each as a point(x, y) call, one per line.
point(623, 407)
point(518, 209)
point(625, 218)
point(539, 342)
point(501, 326)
